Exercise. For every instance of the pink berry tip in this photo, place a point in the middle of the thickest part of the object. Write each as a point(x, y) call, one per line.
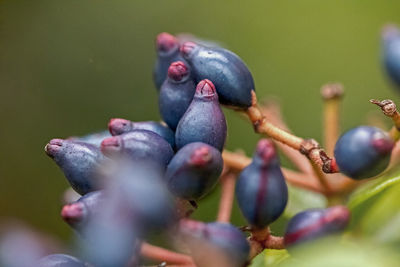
point(200, 156)
point(338, 214)
point(53, 147)
point(73, 213)
point(110, 145)
point(390, 31)
point(166, 42)
point(205, 88)
point(187, 48)
point(383, 145)
point(118, 126)
point(266, 150)
point(177, 71)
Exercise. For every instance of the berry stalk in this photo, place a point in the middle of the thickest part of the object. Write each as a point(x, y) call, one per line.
point(228, 181)
point(390, 110)
point(164, 255)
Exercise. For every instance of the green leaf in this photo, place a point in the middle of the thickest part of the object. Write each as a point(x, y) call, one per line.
point(270, 257)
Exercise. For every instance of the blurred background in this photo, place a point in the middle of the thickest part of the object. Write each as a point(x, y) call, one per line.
point(67, 67)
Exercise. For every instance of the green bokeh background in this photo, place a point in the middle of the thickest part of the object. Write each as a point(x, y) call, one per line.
point(67, 67)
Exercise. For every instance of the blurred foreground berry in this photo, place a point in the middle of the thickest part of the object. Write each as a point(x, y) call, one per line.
point(93, 138)
point(60, 260)
point(391, 52)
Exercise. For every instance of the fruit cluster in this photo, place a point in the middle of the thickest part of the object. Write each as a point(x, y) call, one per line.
point(143, 179)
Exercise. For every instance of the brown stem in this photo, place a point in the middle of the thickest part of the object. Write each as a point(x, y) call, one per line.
point(390, 110)
point(261, 239)
point(228, 182)
point(165, 255)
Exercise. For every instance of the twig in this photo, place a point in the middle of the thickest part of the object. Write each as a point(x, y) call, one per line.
point(228, 181)
point(390, 110)
point(165, 255)
point(261, 239)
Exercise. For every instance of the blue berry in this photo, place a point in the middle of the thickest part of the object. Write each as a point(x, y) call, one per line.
point(363, 152)
point(194, 170)
point(139, 145)
point(261, 190)
point(391, 52)
point(94, 138)
point(204, 120)
point(167, 48)
point(176, 94)
point(223, 243)
point(79, 162)
point(121, 126)
point(225, 69)
point(314, 223)
point(60, 260)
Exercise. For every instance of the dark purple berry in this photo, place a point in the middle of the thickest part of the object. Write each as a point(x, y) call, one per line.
point(391, 52)
point(176, 94)
point(60, 260)
point(167, 48)
point(79, 162)
point(121, 126)
point(314, 223)
point(139, 145)
point(204, 120)
point(363, 152)
point(194, 170)
point(225, 69)
point(94, 138)
point(261, 190)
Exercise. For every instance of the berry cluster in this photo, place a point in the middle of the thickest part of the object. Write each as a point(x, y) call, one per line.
point(143, 179)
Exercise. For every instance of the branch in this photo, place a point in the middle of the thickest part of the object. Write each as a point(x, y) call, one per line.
point(390, 110)
point(228, 181)
point(165, 255)
point(261, 239)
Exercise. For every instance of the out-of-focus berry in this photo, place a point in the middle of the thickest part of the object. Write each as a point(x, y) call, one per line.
point(93, 138)
point(60, 260)
point(391, 52)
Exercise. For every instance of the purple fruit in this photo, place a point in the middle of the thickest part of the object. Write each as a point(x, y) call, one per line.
point(194, 171)
point(79, 162)
point(139, 145)
point(225, 69)
point(391, 52)
point(261, 190)
point(167, 48)
point(204, 120)
point(314, 223)
point(60, 260)
point(176, 94)
point(121, 126)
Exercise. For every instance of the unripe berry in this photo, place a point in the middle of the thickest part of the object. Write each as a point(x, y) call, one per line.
point(204, 120)
point(261, 189)
point(79, 162)
point(60, 260)
point(176, 94)
point(363, 152)
point(391, 52)
point(314, 223)
point(167, 48)
point(225, 69)
point(121, 126)
point(194, 170)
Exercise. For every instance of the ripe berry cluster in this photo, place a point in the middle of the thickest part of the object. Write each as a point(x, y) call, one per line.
point(141, 179)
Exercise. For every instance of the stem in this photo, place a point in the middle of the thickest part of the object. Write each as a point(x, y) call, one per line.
point(261, 239)
point(228, 182)
point(314, 152)
point(390, 110)
point(164, 255)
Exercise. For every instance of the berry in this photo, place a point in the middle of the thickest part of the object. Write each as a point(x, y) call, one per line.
point(314, 223)
point(194, 170)
point(94, 138)
point(363, 152)
point(79, 162)
point(204, 120)
point(121, 126)
point(60, 260)
point(167, 47)
point(228, 72)
point(224, 244)
point(139, 145)
point(176, 94)
point(261, 190)
point(391, 52)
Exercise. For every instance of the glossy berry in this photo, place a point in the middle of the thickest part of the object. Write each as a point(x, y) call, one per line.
point(79, 162)
point(363, 152)
point(93, 138)
point(60, 260)
point(224, 244)
point(204, 120)
point(121, 126)
point(139, 145)
point(167, 49)
point(261, 189)
point(176, 94)
point(314, 223)
point(194, 170)
point(391, 52)
point(225, 69)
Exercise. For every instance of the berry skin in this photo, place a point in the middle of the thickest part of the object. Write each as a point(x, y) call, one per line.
point(94, 138)
point(60, 260)
point(139, 145)
point(261, 190)
point(204, 120)
point(391, 52)
point(176, 94)
point(363, 152)
point(79, 162)
point(314, 223)
point(223, 243)
point(225, 69)
point(121, 126)
point(167, 48)
point(194, 170)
